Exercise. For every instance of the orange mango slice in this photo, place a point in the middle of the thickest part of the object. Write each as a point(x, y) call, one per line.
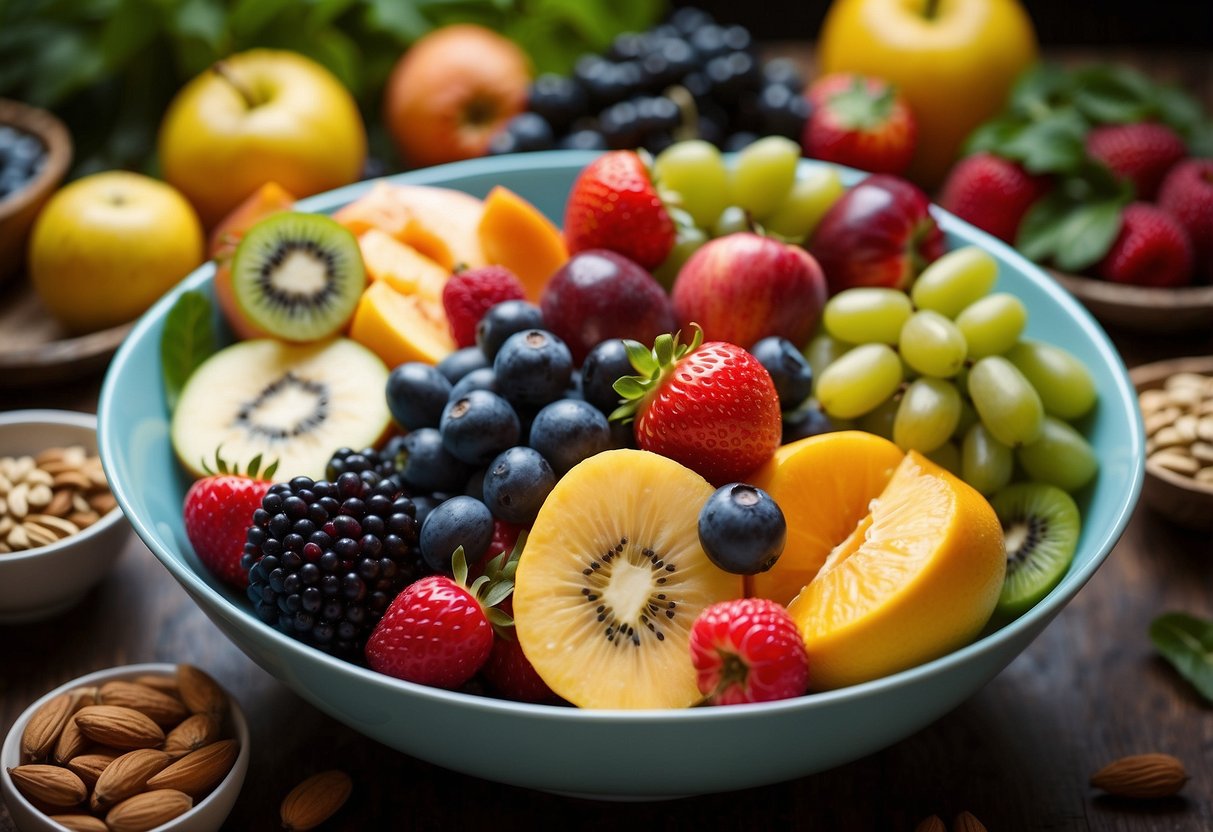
point(399, 327)
point(401, 266)
point(515, 234)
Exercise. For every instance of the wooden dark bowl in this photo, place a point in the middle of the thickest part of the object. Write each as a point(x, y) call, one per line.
point(1141, 308)
point(1181, 499)
point(18, 210)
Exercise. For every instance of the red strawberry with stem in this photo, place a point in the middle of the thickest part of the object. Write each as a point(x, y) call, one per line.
point(1141, 153)
point(468, 294)
point(218, 510)
point(1151, 249)
point(509, 672)
point(1187, 195)
point(711, 407)
point(440, 631)
point(614, 205)
point(862, 122)
point(991, 192)
point(748, 650)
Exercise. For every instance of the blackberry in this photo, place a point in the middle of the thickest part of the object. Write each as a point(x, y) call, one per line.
point(368, 459)
point(326, 558)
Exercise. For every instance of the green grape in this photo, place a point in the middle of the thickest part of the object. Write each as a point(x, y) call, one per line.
point(1008, 405)
point(1066, 388)
point(1060, 457)
point(954, 281)
point(932, 345)
point(880, 420)
point(823, 351)
point(859, 381)
point(968, 416)
point(763, 175)
point(927, 416)
point(992, 325)
point(985, 463)
point(866, 314)
point(811, 196)
point(946, 456)
point(733, 220)
point(688, 241)
point(696, 171)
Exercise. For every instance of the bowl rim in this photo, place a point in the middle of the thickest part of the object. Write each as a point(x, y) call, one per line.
point(239, 725)
point(48, 129)
point(66, 418)
point(1132, 296)
point(439, 175)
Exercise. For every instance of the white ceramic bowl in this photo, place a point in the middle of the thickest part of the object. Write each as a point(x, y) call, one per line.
point(208, 814)
point(42, 582)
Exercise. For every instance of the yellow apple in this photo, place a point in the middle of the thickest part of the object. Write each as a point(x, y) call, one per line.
point(256, 117)
point(953, 60)
point(107, 246)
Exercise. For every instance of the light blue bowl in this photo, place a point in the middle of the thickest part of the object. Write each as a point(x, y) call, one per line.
point(605, 754)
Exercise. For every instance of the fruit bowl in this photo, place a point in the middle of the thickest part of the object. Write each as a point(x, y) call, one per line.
point(1150, 309)
point(593, 753)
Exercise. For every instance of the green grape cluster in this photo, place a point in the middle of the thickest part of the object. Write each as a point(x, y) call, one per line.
point(708, 197)
point(946, 371)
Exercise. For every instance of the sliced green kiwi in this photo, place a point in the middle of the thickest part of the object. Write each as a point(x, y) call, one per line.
point(1040, 525)
point(298, 276)
point(294, 403)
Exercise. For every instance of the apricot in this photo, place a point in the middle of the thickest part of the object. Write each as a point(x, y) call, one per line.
point(515, 234)
point(270, 198)
point(399, 327)
point(403, 267)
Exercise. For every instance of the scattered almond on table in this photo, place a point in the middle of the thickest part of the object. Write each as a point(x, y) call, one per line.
point(1178, 418)
point(1142, 776)
point(52, 495)
point(315, 800)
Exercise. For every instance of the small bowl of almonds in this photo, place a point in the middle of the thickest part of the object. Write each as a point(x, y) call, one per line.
point(129, 749)
point(1176, 399)
point(60, 527)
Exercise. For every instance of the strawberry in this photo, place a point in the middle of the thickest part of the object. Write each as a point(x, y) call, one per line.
point(468, 294)
point(1187, 195)
point(991, 192)
point(1151, 249)
point(1141, 153)
point(711, 407)
point(510, 672)
point(439, 631)
point(748, 650)
point(218, 509)
point(862, 122)
point(613, 205)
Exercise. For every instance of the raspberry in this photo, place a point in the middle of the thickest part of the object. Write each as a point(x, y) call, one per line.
point(1151, 249)
point(509, 672)
point(467, 295)
point(992, 193)
point(1141, 153)
point(748, 650)
point(1187, 195)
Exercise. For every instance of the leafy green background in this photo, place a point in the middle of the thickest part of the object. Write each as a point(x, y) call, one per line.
point(110, 67)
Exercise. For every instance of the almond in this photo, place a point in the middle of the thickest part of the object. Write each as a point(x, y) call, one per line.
point(200, 693)
point(126, 776)
point(51, 785)
point(967, 822)
point(120, 727)
point(71, 743)
point(199, 771)
point(931, 824)
point(43, 729)
point(80, 823)
point(88, 767)
point(147, 811)
point(163, 709)
point(164, 684)
point(1142, 776)
point(315, 800)
point(192, 734)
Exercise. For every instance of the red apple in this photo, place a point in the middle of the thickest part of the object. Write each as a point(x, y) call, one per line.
point(880, 233)
point(598, 294)
point(743, 287)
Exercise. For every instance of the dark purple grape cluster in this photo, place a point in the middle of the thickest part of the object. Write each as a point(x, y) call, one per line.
point(21, 158)
point(689, 76)
point(326, 558)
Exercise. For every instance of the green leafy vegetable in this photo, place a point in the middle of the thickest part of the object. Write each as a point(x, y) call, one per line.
point(188, 339)
point(1187, 643)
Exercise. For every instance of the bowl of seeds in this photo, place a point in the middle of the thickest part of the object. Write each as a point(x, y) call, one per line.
point(60, 528)
point(1176, 398)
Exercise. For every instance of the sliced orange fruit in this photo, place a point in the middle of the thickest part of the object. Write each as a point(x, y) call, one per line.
point(516, 234)
point(440, 223)
point(399, 327)
point(401, 266)
point(917, 577)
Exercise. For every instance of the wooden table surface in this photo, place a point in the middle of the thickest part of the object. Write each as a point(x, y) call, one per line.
point(1018, 754)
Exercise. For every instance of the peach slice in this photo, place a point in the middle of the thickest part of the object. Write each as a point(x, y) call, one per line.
point(401, 266)
point(515, 234)
point(399, 327)
point(270, 198)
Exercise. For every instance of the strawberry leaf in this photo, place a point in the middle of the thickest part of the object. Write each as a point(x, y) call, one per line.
point(1086, 234)
point(1051, 145)
point(1187, 643)
point(641, 357)
point(630, 387)
point(498, 593)
point(188, 339)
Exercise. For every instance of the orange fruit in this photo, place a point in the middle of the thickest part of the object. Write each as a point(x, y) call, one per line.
point(401, 266)
point(515, 234)
point(399, 327)
point(917, 577)
point(441, 223)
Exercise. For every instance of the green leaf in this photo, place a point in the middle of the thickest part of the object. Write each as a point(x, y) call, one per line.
point(126, 34)
point(663, 349)
point(340, 54)
point(398, 19)
point(498, 593)
point(641, 357)
point(629, 387)
point(250, 16)
point(187, 340)
point(1038, 231)
point(1187, 643)
point(1040, 89)
point(1051, 145)
point(1086, 234)
point(990, 136)
point(1113, 94)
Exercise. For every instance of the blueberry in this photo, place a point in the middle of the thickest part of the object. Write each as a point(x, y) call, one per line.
point(461, 362)
point(783, 72)
point(478, 426)
point(425, 465)
point(558, 98)
point(425, 503)
point(533, 368)
point(516, 483)
point(603, 366)
point(741, 529)
point(739, 141)
point(790, 371)
point(805, 421)
point(783, 111)
point(523, 133)
point(568, 431)
point(459, 521)
point(583, 139)
point(482, 379)
point(502, 321)
point(708, 41)
point(475, 485)
point(416, 394)
point(689, 20)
